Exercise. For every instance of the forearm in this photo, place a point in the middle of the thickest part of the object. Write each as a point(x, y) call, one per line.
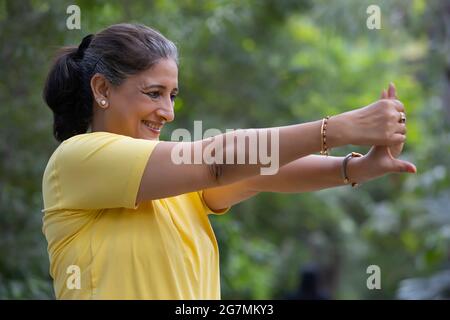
point(221, 160)
point(310, 173)
point(282, 146)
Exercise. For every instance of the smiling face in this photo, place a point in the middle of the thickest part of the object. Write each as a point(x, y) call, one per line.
point(141, 105)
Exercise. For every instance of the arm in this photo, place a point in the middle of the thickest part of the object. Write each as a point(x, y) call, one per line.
point(172, 179)
point(373, 124)
point(311, 173)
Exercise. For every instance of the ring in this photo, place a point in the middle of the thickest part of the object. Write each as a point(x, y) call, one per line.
point(402, 117)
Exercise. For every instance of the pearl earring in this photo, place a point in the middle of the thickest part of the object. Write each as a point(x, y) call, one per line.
point(103, 102)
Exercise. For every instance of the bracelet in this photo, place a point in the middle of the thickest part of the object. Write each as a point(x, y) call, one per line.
point(323, 134)
point(344, 167)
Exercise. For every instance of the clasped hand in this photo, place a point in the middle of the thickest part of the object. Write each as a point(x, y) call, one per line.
point(383, 159)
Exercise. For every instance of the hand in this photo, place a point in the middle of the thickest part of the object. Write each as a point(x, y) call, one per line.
point(395, 150)
point(376, 163)
point(381, 159)
point(375, 124)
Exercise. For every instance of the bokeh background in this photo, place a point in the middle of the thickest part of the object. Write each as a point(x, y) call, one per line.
point(262, 63)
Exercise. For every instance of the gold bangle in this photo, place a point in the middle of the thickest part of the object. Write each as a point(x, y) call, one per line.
point(344, 167)
point(323, 135)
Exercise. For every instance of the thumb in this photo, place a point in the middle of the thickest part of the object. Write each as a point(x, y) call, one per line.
point(403, 166)
point(392, 92)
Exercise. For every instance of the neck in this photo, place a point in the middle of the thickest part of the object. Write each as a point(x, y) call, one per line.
point(98, 123)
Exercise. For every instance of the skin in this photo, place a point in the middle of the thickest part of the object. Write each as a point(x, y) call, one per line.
point(149, 95)
point(133, 101)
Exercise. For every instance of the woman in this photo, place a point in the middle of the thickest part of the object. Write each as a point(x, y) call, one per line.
point(122, 220)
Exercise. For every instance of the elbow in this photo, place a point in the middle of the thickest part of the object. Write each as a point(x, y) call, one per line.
point(215, 173)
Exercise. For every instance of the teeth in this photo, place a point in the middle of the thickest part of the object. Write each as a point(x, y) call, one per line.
point(151, 126)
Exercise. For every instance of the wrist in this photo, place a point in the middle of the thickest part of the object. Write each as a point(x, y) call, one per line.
point(357, 170)
point(336, 131)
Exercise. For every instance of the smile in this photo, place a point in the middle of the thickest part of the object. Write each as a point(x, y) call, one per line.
point(153, 127)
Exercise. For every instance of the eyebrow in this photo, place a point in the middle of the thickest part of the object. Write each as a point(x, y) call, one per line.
point(159, 86)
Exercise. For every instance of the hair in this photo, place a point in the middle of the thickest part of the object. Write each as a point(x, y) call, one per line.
point(116, 52)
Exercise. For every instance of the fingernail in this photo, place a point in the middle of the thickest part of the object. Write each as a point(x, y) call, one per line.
point(412, 170)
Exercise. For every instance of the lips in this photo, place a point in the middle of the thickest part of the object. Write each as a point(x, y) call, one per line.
point(152, 126)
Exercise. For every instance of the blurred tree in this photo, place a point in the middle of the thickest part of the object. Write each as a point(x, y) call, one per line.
point(254, 64)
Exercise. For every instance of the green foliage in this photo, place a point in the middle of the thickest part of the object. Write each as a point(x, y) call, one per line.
point(256, 64)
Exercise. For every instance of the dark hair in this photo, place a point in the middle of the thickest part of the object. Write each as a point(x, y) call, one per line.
point(116, 52)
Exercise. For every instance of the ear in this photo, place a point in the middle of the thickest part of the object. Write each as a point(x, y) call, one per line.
point(100, 87)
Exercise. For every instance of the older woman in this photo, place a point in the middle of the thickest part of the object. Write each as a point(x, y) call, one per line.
point(122, 219)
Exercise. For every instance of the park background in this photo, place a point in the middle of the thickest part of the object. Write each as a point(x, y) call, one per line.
point(261, 63)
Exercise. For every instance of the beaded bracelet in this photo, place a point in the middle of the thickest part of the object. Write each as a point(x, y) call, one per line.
point(323, 134)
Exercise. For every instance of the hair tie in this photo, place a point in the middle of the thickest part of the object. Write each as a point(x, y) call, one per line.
point(84, 45)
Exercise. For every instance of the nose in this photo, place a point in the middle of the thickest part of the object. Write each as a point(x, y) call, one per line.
point(166, 111)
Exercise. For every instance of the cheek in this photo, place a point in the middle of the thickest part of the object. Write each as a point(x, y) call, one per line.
point(141, 107)
point(127, 106)
point(130, 108)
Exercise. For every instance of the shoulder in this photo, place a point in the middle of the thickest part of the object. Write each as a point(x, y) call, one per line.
point(91, 140)
point(82, 146)
point(91, 151)
point(96, 145)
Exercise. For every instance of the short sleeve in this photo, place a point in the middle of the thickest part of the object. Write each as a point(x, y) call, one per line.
point(96, 171)
point(207, 209)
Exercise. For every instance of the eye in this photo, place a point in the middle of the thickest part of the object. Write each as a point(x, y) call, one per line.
point(153, 95)
point(173, 97)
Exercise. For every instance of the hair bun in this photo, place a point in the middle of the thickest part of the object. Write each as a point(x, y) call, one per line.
point(83, 46)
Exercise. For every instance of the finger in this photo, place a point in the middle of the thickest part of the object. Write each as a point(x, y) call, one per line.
point(398, 105)
point(396, 150)
point(403, 166)
point(392, 94)
point(396, 139)
point(401, 128)
point(387, 150)
point(384, 94)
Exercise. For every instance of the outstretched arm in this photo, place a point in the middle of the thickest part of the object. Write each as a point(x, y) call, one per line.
point(310, 173)
point(373, 124)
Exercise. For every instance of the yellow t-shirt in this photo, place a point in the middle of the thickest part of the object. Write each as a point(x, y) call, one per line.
point(103, 247)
